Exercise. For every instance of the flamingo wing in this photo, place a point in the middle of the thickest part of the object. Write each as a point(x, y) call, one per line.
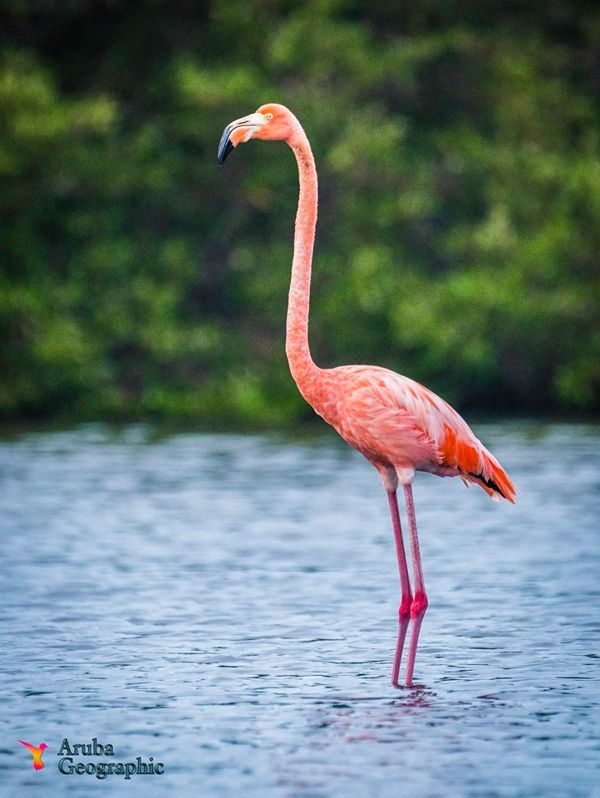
point(460, 452)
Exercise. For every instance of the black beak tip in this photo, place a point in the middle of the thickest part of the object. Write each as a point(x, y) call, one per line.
point(225, 147)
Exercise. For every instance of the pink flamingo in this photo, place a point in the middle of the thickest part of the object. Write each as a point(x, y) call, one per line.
point(397, 424)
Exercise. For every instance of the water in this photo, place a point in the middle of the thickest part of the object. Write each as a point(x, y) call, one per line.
point(227, 605)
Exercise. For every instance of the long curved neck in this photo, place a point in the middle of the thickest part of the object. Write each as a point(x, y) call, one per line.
point(296, 344)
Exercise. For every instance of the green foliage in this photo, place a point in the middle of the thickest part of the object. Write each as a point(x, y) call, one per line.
point(459, 160)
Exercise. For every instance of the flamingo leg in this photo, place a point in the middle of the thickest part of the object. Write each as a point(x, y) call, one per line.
point(407, 598)
point(419, 603)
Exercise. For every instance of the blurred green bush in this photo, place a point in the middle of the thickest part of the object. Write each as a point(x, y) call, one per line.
point(459, 237)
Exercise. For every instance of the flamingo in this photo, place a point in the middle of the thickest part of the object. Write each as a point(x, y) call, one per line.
point(399, 425)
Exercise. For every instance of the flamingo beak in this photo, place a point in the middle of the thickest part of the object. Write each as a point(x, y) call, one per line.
point(236, 132)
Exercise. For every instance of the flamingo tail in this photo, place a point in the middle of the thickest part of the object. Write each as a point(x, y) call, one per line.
point(493, 479)
point(475, 464)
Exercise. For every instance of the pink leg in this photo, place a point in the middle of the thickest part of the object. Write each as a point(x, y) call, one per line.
point(407, 599)
point(419, 604)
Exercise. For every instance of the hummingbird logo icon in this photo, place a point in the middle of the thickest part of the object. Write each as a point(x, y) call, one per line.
point(36, 752)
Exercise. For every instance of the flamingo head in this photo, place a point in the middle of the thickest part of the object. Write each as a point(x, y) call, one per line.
point(272, 122)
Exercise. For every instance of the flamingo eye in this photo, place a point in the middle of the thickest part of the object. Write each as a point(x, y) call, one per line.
point(269, 116)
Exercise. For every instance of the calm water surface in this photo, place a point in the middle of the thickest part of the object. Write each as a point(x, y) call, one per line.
point(227, 604)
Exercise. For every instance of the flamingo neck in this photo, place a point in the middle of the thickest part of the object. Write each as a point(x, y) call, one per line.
point(301, 364)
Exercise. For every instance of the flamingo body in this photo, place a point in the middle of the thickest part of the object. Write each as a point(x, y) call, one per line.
point(397, 424)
